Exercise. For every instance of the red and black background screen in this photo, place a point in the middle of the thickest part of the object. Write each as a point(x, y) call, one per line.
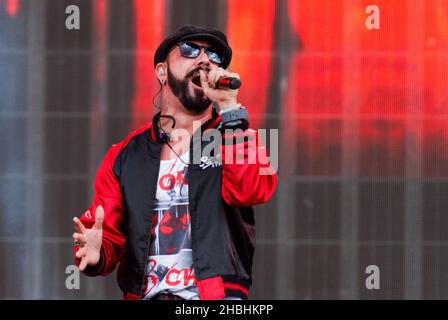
point(362, 117)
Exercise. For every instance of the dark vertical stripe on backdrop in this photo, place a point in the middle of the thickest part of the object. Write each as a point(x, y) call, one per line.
point(196, 12)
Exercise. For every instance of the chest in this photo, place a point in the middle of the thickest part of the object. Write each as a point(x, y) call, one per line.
point(180, 148)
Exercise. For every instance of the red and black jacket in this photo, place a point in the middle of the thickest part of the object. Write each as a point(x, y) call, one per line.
point(220, 200)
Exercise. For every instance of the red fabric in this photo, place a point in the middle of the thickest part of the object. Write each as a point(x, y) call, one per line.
point(235, 286)
point(211, 289)
point(130, 296)
point(107, 194)
point(247, 177)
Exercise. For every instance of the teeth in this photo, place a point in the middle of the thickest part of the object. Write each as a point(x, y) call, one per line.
point(197, 74)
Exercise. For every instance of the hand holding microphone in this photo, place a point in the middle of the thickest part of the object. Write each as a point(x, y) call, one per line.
point(221, 79)
point(221, 87)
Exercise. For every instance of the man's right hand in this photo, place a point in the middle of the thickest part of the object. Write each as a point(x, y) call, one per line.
point(89, 240)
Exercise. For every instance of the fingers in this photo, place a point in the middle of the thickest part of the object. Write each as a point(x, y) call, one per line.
point(215, 75)
point(80, 238)
point(204, 81)
point(99, 217)
point(81, 252)
point(79, 227)
point(83, 264)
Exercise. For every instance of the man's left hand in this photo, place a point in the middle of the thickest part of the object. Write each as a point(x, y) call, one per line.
point(224, 98)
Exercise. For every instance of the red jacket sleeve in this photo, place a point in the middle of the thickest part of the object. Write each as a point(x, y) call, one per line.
point(247, 176)
point(107, 194)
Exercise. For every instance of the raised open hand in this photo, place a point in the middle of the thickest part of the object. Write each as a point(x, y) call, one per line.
point(89, 240)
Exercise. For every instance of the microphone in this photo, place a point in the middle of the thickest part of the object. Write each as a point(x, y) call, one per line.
point(228, 83)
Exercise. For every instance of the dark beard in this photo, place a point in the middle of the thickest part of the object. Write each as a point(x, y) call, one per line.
point(197, 103)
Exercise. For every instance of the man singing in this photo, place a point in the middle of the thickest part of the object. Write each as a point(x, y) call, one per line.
point(180, 228)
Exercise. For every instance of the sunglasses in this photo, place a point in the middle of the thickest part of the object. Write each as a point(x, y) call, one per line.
point(192, 50)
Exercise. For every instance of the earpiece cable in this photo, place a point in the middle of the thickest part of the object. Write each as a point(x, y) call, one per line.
point(167, 142)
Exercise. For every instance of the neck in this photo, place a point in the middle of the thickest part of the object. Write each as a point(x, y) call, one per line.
point(184, 118)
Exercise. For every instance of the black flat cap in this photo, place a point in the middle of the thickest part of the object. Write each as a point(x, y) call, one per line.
point(215, 37)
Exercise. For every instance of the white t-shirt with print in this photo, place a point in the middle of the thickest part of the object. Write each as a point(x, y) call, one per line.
point(169, 266)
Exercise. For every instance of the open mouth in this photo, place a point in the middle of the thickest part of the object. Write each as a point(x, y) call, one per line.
point(196, 81)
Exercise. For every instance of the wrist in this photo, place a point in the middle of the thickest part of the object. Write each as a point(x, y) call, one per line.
point(228, 105)
point(236, 117)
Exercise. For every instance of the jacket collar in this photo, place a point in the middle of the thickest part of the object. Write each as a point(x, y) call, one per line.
point(213, 122)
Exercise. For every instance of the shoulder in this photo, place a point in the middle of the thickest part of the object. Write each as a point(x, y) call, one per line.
point(116, 148)
point(123, 143)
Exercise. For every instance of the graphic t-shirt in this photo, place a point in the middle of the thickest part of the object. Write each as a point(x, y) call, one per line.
point(169, 266)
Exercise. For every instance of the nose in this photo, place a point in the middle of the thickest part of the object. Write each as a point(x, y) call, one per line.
point(202, 59)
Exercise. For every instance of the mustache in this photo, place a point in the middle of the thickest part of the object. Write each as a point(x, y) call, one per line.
point(196, 70)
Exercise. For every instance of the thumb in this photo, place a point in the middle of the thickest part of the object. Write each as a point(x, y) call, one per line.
point(204, 80)
point(99, 217)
